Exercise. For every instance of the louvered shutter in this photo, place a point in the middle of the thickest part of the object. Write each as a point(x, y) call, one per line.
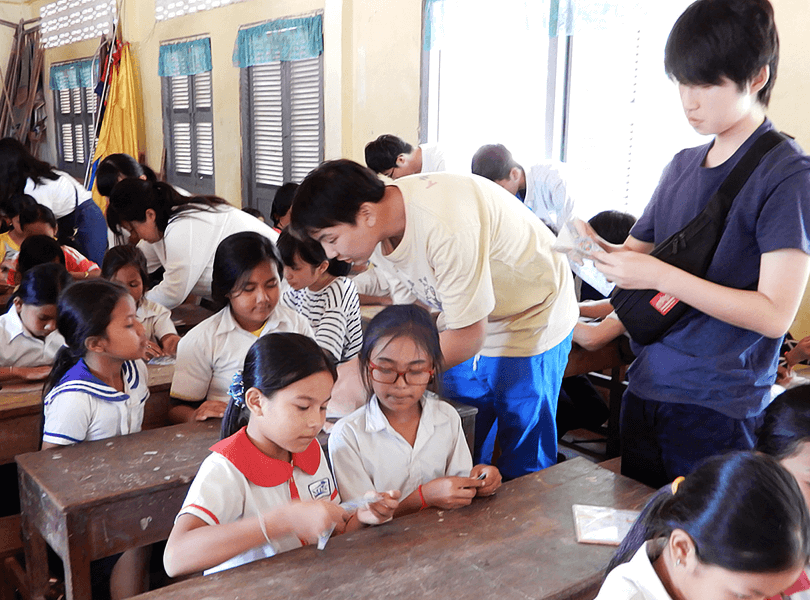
point(267, 134)
point(306, 117)
point(75, 112)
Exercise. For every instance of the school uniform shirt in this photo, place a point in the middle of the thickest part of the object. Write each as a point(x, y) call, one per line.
point(84, 408)
point(8, 258)
point(187, 250)
point(18, 348)
point(209, 354)
point(432, 158)
point(798, 591)
point(239, 481)
point(634, 580)
point(368, 454)
point(473, 251)
point(62, 195)
point(334, 313)
point(155, 318)
point(76, 262)
point(547, 193)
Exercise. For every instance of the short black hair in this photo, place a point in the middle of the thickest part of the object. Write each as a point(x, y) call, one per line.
point(253, 212)
point(282, 201)
point(333, 193)
point(118, 257)
point(382, 153)
point(16, 204)
point(38, 250)
point(612, 225)
point(118, 166)
point(42, 284)
point(310, 252)
point(786, 424)
point(494, 162)
point(237, 255)
point(714, 39)
point(37, 213)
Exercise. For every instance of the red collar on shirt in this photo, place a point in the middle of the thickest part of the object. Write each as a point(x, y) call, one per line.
point(259, 468)
point(802, 584)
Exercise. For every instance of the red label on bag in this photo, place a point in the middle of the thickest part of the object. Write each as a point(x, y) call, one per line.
point(663, 303)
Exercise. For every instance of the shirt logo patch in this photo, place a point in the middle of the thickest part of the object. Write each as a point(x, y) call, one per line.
point(664, 303)
point(321, 489)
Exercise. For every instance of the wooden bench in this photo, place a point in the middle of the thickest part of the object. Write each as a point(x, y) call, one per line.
point(514, 545)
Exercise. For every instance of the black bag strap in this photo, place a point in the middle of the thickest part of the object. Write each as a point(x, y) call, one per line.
point(743, 170)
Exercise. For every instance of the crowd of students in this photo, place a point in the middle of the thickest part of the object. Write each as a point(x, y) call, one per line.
point(491, 324)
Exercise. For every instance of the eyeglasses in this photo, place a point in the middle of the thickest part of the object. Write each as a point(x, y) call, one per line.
point(385, 375)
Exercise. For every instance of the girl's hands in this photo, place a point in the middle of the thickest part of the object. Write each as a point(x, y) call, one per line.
point(492, 479)
point(382, 510)
point(308, 520)
point(451, 492)
point(798, 353)
point(210, 409)
point(32, 373)
point(153, 350)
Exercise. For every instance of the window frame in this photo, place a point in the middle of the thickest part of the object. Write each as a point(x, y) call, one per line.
point(85, 119)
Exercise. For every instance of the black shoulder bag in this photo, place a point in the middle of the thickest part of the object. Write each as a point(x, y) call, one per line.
point(648, 314)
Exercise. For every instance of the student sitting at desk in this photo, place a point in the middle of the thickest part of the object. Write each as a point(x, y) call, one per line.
point(97, 390)
point(267, 487)
point(29, 340)
point(246, 281)
point(10, 240)
point(405, 438)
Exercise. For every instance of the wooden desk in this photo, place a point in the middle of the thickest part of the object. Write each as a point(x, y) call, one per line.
point(187, 316)
point(613, 356)
point(515, 545)
point(95, 499)
point(21, 411)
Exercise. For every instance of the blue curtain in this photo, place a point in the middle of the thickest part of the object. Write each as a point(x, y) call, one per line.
point(76, 74)
point(185, 58)
point(284, 39)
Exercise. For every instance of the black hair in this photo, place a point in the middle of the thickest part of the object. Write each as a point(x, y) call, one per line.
point(282, 201)
point(14, 205)
point(38, 213)
point(382, 153)
point(131, 198)
point(612, 225)
point(274, 361)
point(743, 511)
point(253, 212)
point(713, 39)
point(116, 166)
point(786, 424)
point(236, 256)
point(403, 321)
point(84, 310)
point(494, 162)
point(118, 257)
point(310, 252)
point(333, 193)
point(17, 165)
point(42, 284)
point(37, 250)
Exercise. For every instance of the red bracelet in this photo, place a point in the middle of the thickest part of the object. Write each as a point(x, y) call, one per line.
point(422, 498)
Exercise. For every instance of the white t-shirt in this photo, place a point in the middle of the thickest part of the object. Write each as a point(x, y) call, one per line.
point(239, 481)
point(473, 251)
point(82, 407)
point(61, 195)
point(376, 281)
point(334, 313)
point(187, 250)
point(18, 348)
point(634, 580)
point(368, 454)
point(155, 318)
point(432, 158)
point(548, 194)
point(209, 354)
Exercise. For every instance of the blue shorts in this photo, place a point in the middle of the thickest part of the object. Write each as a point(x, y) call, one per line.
point(521, 394)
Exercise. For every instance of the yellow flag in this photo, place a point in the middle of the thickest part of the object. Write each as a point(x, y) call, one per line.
point(119, 129)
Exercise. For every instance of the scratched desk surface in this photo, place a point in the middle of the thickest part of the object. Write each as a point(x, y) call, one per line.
point(515, 545)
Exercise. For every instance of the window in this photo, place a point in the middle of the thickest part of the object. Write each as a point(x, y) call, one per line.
point(74, 109)
point(188, 132)
point(169, 9)
point(67, 22)
point(282, 108)
point(593, 95)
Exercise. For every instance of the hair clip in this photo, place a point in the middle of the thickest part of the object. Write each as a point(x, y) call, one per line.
point(676, 483)
point(237, 389)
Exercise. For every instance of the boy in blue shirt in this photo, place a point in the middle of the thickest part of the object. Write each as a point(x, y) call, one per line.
point(701, 389)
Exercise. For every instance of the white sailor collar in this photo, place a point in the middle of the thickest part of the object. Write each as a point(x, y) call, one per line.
point(79, 379)
point(377, 421)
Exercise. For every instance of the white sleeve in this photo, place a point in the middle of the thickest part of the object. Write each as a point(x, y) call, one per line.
point(163, 322)
point(459, 462)
point(67, 418)
point(194, 369)
point(347, 462)
point(371, 282)
point(152, 258)
point(187, 240)
point(215, 495)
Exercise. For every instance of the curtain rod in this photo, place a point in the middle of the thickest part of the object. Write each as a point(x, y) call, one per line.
point(188, 38)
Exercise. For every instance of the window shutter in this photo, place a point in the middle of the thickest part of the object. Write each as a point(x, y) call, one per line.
point(306, 116)
point(203, 104)
point(268, 143)
point(74, 108)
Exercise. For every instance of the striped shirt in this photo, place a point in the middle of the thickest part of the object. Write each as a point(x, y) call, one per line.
point(334, 313)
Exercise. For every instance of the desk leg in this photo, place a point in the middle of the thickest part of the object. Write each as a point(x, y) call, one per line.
point(77, 573)
point(36, 560)
point(613, 447)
